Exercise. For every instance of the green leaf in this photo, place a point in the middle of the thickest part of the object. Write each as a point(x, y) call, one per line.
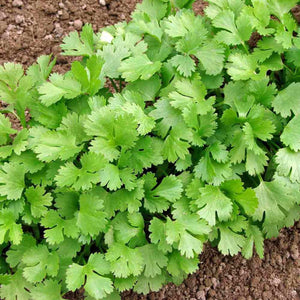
point(184, 64)
point(187, 232)
point(288, 164)
point(41, 71)
point(81, 178)
point(291, 135)
point(211, 56)
point(275, 199)
point(39, 200)
point(254, 237)
point(231, 240)
point(58, 87)
point(157, 198)
point(181, 265)
point(154, 260)
point(124, 260)
point(39, 263)
point(5, 129)
point(96, 285)
point(242, 66)
point(146, 284)
point(82, 45)
point(158, 235)
point(48, 290)
point(88, 75)
point(288, 100)
point(12, 180)
point(57, 228)
point(15, 253)
point(16, 287)
point(52, 145)
point(9, 229)
point(213, 204)
point(91, 218)
point(111, 132)
point(234, 32)
point(137, 67)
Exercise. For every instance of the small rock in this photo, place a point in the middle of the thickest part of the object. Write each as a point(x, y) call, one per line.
point(49, 37)
point(215, 282)
point(11, 27)
point(102, 2)
point(60, 12)
point(61, 5)
point(2, 16)
point(276, 281)
point(3, 26)
point(294, 252)
point(64, 16)
point(78, 24)
point(17, 3)
point(201, 295)
point(49, 9)
point(83, 6)
point(267, 295)
point(19, 19)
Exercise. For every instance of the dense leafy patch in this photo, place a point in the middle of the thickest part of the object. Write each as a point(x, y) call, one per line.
point(200, 141)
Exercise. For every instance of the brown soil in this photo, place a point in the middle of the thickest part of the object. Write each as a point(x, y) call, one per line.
point(29, 28)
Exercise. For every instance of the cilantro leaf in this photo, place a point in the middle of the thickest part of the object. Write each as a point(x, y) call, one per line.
point(58, 87)
point(154, 260)
point(288, 164)
point(57, 228)
point(83, 45)
point(12, 180)
point(84, 177)
point(290, 135)
point(39, 200)
point(137, 67)
point(124, 260)
point(48, 290)
point(39, 262)
point(288, 100)
point(16, 287)
point(52, 145)
point(96, 285)
point(213, 204)
point(9, 229)
point(275, 198)
point(91, 218)
point(186, 231)
point(158, 197)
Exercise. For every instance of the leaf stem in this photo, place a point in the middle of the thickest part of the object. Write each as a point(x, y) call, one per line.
point(114, 85)
point(260, 178)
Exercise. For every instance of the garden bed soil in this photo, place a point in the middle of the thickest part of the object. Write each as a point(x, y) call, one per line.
point(30, 28)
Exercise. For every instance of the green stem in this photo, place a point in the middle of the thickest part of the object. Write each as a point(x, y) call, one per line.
point(275, 145)
point(260, 178)
point(114, 85)
point(36, 231)
point(245, 47)
point(286, 67)
point(120, 84)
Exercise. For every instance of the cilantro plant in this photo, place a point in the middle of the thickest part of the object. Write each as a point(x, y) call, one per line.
point(199, 142)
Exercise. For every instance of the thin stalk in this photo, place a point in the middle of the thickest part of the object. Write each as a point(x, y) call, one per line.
point(114, 85)
point(260, 178)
